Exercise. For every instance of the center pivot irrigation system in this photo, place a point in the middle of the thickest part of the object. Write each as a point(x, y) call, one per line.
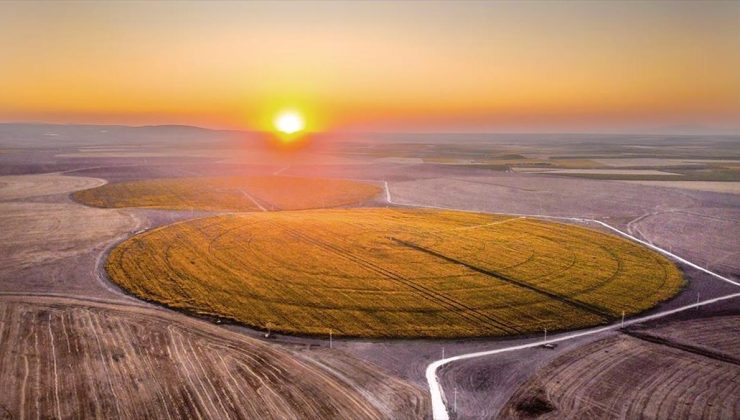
point(439, 409)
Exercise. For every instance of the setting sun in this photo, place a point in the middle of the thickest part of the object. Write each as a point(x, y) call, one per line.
point(289, 122)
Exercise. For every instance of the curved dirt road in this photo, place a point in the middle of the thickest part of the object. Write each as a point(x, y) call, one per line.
point(439, 408)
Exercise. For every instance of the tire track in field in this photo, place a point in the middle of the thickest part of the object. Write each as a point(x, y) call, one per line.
point(573, 302)
point(596, 285)
point(254, 200)
point(430, 294)
point(722, 357)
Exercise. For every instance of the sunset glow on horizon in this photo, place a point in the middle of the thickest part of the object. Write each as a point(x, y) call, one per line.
point(457, 66)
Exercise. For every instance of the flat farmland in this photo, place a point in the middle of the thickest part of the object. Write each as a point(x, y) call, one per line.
point(250, 193)
point(73, 358)
point(393, 273)
point(683, 370)
point(43, 234)
point(24, 186)
point(38, 233)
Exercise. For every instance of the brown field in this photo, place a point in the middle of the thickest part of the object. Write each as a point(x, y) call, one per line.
point(626, 377)
point(711, 186)
point(252, 193)
point(17, 187)
point(36, 233)
point(588, 171)
point(393, 273)
point(520, 162)
point(576, 163)
point(698, 226)
point(48, 244)
point(717, 334)
point(64, 358)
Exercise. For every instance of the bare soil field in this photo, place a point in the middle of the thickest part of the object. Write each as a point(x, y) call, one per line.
point(46, 233)
point(68, 358)
point(25, 186)
point(658, 162)
point(597, 171)
point(678, 376)
point(538, 194)
point(229, 193)
point(48, 242)
point(484, 385)
point(719, 334)
point(710, 186)
point(707, 236)
point(393, 273)
point(36, 233)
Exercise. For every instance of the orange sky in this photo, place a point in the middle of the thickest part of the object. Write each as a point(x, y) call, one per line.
point(475, 66)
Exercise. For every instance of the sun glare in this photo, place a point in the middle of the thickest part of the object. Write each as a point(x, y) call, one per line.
point(289, 122)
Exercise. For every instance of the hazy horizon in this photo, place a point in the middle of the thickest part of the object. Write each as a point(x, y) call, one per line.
point(667, 131)
point(376, 67)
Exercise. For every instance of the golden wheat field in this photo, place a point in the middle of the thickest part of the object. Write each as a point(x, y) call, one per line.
point(251, 193)
point(393, 273)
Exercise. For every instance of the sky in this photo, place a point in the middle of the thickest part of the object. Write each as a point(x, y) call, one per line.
point(395, 66)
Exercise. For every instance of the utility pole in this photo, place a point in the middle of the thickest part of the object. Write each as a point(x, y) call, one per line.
point(545, 335)
point(622, 319)
point(697, 300)
point(331, 343)
point(443, 352)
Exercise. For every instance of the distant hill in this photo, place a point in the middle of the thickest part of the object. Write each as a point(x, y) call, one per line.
point(63, 135)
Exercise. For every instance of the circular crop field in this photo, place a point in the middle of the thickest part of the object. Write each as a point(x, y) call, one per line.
point(233, 193)
point(393, 273)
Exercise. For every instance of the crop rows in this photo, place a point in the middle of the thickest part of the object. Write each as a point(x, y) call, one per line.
point(625, 377)
point(253, 193)
point(65, 359)
point(393, 273)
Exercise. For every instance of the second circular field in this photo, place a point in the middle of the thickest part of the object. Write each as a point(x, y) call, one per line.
point(393, 273)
